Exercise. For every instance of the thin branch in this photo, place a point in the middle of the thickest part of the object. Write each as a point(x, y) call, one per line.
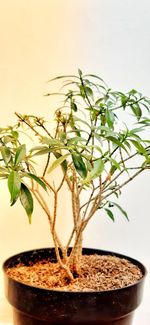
point(76, 244)
point(114, 179)
point(85, 93)
point(70, 238)
point(122, 160)
point(44, 206)
point(63, 266)
point(68, 181)
point(55, 210)
point(44, 128)
point(57, 129)
point(74, 211)
point(87, 203)
point(48, 184)
point(96, 203)
point(124, 183)
point(136, 167)
point(28, 124)
point(84, 223)
point(73, 201)
point(47, 163)
point(61, 184)
point(77, 197)
point(122, 171)
point(56, 240)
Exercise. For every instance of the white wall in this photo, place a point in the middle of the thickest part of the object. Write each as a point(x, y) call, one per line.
point(43, 38)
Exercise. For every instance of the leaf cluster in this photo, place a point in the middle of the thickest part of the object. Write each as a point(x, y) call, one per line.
point(89, 138)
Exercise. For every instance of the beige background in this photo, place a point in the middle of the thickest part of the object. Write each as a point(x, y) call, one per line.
point(40, 39)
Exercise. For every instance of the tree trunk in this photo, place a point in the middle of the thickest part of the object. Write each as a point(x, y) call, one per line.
point(75, 255)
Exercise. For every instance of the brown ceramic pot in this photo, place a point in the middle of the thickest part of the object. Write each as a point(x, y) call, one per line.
point(37, 306)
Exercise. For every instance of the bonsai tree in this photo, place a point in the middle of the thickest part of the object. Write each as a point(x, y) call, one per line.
point(95, 148)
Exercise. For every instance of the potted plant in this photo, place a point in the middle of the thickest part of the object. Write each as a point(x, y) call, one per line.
point(96, 151)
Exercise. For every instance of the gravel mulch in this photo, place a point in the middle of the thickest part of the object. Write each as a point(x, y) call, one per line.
point(98, 273)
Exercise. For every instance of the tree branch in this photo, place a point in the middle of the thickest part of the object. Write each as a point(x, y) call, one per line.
point(28, 124)
point(124, 183)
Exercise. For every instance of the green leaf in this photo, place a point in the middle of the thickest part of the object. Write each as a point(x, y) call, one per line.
point(98, 148)
point(64, 163)
point(46, 150)
point(99, 100)
point(110, 214)
point(136, 130)
point(57, 163)
point(79, 165)
point(145, 121)
point(136, 110)
point(78, 132)
point(98, 137)
point(89, 91)
point(6, 154)
point(114, 164)
point(95, 76)
point(26, 201)
point(121, 209)
point(80, 72)
point(133, 92)
point(95, 172)
point(82, 121)
point(41, 152)
point(146, 162)
point(3, 172)
point(143, 104)
point(110, 118)
point(62, 136)
point(127, 144)
point(15, 134)
point(117, 142)
point(51, 142)
point(76, 140)
point(89, 166)
point(20, 154)
point(139, 147)
point(14, 185)
point(124, 100)
point(82, 91)
point(63, 77)
point(3, 169)
point(74, 107)
point(7, 139)
point(38, 148)
point(37, 179)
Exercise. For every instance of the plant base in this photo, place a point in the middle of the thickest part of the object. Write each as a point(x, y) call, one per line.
point(38, 306)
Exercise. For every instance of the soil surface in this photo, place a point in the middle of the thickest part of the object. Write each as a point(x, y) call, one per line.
point(98, 273)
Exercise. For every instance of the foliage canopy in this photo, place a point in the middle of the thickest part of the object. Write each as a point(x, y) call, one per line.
point(98, 145)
